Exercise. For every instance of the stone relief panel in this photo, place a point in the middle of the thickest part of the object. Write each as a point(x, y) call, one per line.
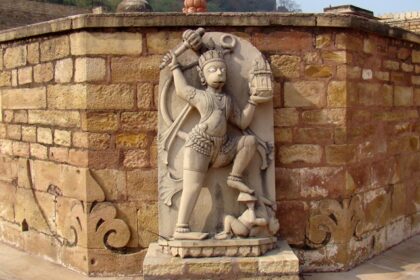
point(216, 143)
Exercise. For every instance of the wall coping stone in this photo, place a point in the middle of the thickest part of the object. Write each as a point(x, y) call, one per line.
point(133, 20)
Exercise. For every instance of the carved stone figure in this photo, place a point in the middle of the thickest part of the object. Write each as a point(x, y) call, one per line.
point(219, 103)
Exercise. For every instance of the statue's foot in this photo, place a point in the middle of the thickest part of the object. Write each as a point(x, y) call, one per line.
point(236, 183)
point(190, 235)
point(223, 235)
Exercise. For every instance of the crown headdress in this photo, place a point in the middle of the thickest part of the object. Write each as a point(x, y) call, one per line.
point(209, 56)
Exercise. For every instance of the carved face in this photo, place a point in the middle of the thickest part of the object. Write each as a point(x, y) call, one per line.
point(215, 74)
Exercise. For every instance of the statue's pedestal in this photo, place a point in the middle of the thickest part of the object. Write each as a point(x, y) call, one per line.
point(280, 263)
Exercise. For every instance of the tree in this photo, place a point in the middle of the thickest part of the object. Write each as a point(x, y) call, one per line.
point(288, 6)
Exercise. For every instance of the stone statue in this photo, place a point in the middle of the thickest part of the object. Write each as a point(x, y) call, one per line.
point(219, 136)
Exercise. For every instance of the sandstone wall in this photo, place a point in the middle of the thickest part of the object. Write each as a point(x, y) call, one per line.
point(78, 135)
point(409, 20)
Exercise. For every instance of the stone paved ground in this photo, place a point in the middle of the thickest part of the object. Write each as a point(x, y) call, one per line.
point(400, 263)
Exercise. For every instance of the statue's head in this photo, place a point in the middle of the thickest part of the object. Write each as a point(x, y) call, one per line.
point(212, 69)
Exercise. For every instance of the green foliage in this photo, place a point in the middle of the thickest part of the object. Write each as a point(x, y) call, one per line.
point(166, 5)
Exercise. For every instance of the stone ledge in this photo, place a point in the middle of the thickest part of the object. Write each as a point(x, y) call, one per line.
point(97, 21)
point(281, 263)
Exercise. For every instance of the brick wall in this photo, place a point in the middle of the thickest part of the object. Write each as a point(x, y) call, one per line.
point(78, 138)
point(409, 20)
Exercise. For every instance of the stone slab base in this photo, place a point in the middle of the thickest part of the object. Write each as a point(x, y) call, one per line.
point(250, 247)
point(281, 264)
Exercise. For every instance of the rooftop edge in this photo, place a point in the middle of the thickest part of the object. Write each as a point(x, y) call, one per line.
point(96, 21)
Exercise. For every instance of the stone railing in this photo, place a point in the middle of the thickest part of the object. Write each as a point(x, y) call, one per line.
point(78, 134)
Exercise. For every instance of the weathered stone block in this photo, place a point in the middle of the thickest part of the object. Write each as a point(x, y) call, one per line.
point(336, 56)
point(93, 141)
point(345, 72)
point(89, 69)
point(129, 69)
point(20, 149)
point(127, 141)
point(136, 159)
point(139, 121)
point(119, 43)
point(14, 132)
point(283, 135)
point(66, 97)
point(403, 96)
point(25, 75)
point(312, 135)
point(24, 98)
point(415, 56)
point(348, 42)
point(43, 72)
point(66, 119)
point(100, 122)
point(162, 42)
point(58, 154)
point(15, 57)
point(62, 137)
point(64, 70)
point(324, 116)
point(108, 97)
point(275, 41)
point(44, 135)
point(311, 154)
point(7, 201)
point(38, 151)
point(337, 94)
point(55, 48)
point(286, 66)
point(145, 96)
point(286, 117)
point(78, 158)
point(142, 185)
point(304, 94)
point(5, 79)
point(29, 133)
point(340, 154)
point(114, 185)
point(318, 71)
point(33, 53)
point(293, 216)
point(323, 41)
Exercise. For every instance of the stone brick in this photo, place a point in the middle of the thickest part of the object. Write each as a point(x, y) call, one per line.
point(92, 141)
point(118, 43)
point(401, 115)
point(113, 183)
point(58, 154)
point(14, 132)
point(100, 122)
point(407, 67)
point(403, 96)
point(323, 41)
point(66, 119)
point(145, 96)
point(79, 96)
point(55, 48)
point(136, 159)
point(43, 72)
point(6, 147)
point(391, 65)
point(415, 56)
point(20, 116)
point(403, 53)
point(110, 159)
point(1, 59)
point(336, 56)
point(162, 42)
point(7, 201)
point(374, 94)
point(5, 79)
point(311, 154)
point(62, 137)
point(29, 133)
point(275, 41)
point(285, 66)
point(304, 94)
point(14, 78)
point(318, 71)
point(153, 150)
point(38, 151)
point(380, 75)
point(283, 135)
point(44, 135)
point(78, 158)
point(367, 74)
point(64, 70)
point(33, 53)
point(25, 75)
point(127, 141)
point(139, 121)
point(3, 131)
point(417, 97)
point(24, 98)
point(369, 46)
point(340, 154)
point(415, 80)
point(324, 116)
point(337, 94)
point(345, 72)
point(349, 42)
point(147, 224)
point(20, 149)
point(8, 116)
point(313, 135)
point(15, 57)
point(129, 69)
point(286, 117)
point(400, 78)
point(312, 58)
point(89, 69)
point(404, 144)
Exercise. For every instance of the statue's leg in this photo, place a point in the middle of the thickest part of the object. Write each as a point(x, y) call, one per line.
point(195, 169)
point(246, 148)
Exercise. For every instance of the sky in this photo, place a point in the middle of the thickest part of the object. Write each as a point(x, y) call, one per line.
point(379, 7)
